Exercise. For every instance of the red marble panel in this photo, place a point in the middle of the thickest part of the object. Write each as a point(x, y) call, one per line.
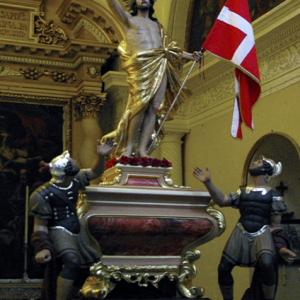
point(146, 236)
point(138, 181)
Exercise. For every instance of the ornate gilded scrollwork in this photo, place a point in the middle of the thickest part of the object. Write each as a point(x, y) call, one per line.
point(102, 276)
point(48, 32)
point(82, 205)
point(187, 273)
point(218, 216)
point(96, 288)
point(87, 106)
point(111, 179)
point(169, 181)
point(100, 283)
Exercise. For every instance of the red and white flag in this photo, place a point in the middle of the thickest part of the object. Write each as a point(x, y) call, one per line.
point(232, 38)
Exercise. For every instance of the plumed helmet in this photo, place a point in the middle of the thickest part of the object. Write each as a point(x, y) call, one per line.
point(57, 167)
point(271, 166)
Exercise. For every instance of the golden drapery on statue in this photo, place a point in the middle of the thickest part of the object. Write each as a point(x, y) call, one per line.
point(145, 72)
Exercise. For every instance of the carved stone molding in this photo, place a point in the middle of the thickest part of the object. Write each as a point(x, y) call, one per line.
point(62, 64)
point(57, 76)
point(25, 30)
point(88, 106)
point(94, 71)
point(63, 77)
point(70, 12)
point(49, 33)
point(31, 73)
point(7, 71)
point(83, 23)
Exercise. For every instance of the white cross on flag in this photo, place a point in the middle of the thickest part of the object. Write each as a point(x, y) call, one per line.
point(231, 38)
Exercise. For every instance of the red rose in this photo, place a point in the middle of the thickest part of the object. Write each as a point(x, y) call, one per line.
point(134, 161)
point(110, 163)
point(165, 163)
point(124, 160)
point(145, 161)
point(155, 162)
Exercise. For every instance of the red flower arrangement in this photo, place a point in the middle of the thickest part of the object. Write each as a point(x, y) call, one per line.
point(155, 162)
point(165, 163)
point(135, 161)
point(145, 161)
point(124, 160)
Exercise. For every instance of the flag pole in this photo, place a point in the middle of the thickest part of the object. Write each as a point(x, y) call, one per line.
point(172, 105)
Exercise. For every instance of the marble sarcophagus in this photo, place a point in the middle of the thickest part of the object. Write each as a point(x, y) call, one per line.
point(146, 229)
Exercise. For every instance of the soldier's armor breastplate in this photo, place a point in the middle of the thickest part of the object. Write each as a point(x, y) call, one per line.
point(63, 204)
point(255, 209)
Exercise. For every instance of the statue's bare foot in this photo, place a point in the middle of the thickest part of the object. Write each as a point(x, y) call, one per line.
point(143, 154)
point(126, 152)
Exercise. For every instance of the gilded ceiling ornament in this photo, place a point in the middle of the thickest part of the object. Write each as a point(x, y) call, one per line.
point(93, 71)
point(7, 71)
point(61, 76)
point(31, 73)
point(48, 32)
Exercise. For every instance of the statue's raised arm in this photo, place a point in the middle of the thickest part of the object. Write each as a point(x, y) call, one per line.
point(122, 15)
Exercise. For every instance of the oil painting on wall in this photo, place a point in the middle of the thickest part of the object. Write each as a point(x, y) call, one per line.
point(29, 133)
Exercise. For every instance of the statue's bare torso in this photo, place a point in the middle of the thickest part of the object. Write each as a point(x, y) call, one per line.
point(142, 34)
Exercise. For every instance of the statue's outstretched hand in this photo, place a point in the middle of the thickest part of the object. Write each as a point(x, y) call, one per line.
point(202, 175)
point(106, 147)
point(287, 255)
point(43, 256)
point(197, 56)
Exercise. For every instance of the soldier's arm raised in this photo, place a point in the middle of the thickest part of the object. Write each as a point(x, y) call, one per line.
point(119, 12)
point(217, 195)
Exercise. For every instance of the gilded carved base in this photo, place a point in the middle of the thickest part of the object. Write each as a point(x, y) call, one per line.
point(146, 233)
point(100, 283)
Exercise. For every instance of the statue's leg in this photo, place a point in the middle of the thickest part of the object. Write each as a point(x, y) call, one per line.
point(225, 278)
point(150, 118)
point(64, 288)
point(133, 133)
point(266, 264)
point(66, 278)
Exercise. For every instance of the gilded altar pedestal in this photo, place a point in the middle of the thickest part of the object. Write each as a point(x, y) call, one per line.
point(146, 233)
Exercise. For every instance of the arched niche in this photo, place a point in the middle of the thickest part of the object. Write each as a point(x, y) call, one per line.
point(279, 147)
